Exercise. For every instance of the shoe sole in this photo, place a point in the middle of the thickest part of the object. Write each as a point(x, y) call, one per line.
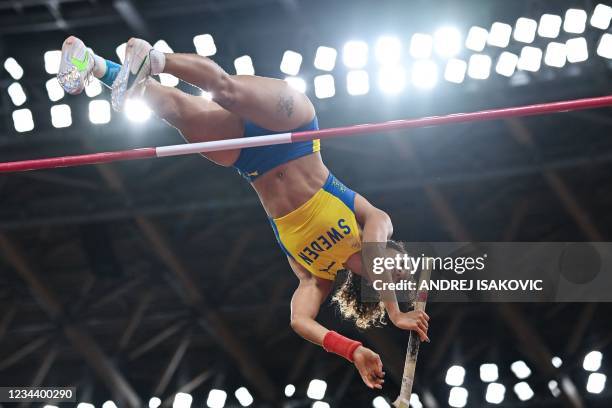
point(70, 78)
point(122, 86)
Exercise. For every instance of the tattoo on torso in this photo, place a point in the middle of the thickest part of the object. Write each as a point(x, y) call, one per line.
point(285, 105)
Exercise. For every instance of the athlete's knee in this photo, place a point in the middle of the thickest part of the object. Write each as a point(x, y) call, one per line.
point(224, 90)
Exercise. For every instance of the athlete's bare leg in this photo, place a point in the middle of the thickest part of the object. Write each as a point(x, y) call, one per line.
point(270, 103)
point(198, 119)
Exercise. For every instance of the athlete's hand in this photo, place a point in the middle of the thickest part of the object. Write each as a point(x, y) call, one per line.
point(417, 321)
point(369, 366)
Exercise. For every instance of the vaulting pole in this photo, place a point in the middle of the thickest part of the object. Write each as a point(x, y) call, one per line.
point(403, 400)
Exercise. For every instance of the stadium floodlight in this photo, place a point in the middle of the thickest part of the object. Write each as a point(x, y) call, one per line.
point(556, 56)
point(52, 61)
point(479, 66)
point(324, 86)
point(162, 45)
point(575, 21)
point(596, 383)
point(13, 68)
point(291, 62)
point(137, 110)
point(325, 58)
point(355, 54)
point(168, 80)
point(455, 376)
point(93, 88)
point(523, 391)
point(530, 59)
point(520, 369)
point(550, 26)
point(424, 74)
point(499, 35)
point(154, 402)
point(99, 112)
point(392, 78)
point(556, 362)
point(388, 50)
point(525, 30)
point(289, 390)
point(489, 372)
point(244, 65)
point(61, 116)
point(316, 389)
point(577, 50)
point(605, 46)
point(380, 402)
point(120, 51)
point(85, 405)
point(216, 398)
point(50, 406)
point(415, 401)
point(477, 39)
point(182, 400)
point(243, 396)
point(109, 404)
point(455, 70)
point(54, 90)
point(205, 45)
point(592, 361)
point(18, 96)
point(421, 45)
point(23, 121)
point(495, 393)
point(506, 64)
point(447, 42)
point(297, 83)
point(320, 404)
point(357, 82)
point(458, 397)
point(553, 386)
point(601, 17)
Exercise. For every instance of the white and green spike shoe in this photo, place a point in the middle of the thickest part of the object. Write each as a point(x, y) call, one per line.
point(133, 74)
point(76, 66)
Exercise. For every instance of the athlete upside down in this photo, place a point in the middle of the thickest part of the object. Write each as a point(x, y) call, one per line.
point(319, 223)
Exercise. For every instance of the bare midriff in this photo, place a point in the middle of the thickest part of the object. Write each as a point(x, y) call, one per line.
point(289, 185)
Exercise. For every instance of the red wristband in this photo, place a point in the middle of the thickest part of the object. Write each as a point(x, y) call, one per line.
point(338, 344)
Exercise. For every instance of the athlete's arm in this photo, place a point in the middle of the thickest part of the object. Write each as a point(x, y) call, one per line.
point(377, 227)
point(305, 304)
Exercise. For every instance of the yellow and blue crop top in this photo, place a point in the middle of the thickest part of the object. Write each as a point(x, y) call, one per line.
point(255, 161)
point(323, 232)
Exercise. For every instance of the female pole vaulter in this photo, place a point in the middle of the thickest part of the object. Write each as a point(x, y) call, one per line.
point(320, 223)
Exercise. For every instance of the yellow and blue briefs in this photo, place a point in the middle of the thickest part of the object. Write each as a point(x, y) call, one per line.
point(255, 161)
point(322, 233)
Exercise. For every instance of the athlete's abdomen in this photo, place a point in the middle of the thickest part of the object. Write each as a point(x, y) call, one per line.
point(291, 184)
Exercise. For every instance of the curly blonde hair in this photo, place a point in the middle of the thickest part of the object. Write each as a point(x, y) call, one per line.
point(349, 297)
point(351, 294)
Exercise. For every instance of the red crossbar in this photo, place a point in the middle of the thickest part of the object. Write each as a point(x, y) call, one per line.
point(107, 157)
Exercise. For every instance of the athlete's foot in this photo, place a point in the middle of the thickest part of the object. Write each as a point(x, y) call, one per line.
point(133, 74)
point(76, 66)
